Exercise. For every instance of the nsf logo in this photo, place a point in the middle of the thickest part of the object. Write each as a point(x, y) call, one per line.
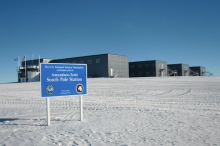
point(79, 88)
point(50, 89)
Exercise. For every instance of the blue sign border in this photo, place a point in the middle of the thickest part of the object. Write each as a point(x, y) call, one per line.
point(58, 79)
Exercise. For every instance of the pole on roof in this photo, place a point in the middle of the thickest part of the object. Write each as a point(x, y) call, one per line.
point(39, 64)
point(18, 63)
point(25, 68)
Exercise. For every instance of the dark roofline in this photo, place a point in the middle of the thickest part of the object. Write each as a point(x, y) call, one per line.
point(146, 61)
point(89, 56)
point(40, 59)
point(197, 66)
point(178, 64)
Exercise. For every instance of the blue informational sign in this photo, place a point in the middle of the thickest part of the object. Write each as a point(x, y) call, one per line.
point(63, 79)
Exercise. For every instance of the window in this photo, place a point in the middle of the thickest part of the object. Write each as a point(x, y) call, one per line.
point(133, 74)
point(97, 60)
point(140, 74)
point(147, 73)
point(89, 61)
point(132, 66)
point(146, 65)
point(140, 65)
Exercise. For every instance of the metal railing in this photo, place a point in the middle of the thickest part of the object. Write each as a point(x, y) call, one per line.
point(209, 73)
point(172, 72)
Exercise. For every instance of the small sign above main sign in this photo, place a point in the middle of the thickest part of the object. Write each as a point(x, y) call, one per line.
point(63, 79)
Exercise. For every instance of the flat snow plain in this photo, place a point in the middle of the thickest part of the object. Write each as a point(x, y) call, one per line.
point(117, 111)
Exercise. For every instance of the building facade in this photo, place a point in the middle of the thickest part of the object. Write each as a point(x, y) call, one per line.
point(111, 65)
point(103, 65)
point(153, 68)
point(178, 70)
point(199, 70)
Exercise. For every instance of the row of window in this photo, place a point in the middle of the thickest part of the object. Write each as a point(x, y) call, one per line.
point(180, 67)
point(90, 61)
point(146, 65)
point(141, 74)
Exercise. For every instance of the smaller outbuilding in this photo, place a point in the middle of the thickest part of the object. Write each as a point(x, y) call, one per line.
point(178, 69)
point(197, 70)
point(151, 68)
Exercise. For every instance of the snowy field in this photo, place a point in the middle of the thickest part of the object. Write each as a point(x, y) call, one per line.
point(181, 111)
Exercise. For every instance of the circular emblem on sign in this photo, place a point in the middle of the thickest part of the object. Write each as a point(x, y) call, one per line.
point(79, 88)
point(50, 89)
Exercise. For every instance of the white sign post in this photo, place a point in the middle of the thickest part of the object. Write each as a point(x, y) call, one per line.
point(48, 111)
point(81, 107)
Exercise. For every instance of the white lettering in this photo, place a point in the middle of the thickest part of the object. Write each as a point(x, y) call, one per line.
point(63, 79)
point(75, 79)
point(69, 67)
point(73, 75)
point(52, 79)
point(59, 66)
point(60, 75)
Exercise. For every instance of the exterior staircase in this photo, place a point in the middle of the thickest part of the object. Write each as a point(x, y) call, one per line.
point(193, 73)
point(171, 72)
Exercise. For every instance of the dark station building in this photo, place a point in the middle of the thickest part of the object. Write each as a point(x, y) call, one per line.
point(178, 70)
point(111, 65)
point(198, 70)
point(103, 65)
point(153, 68)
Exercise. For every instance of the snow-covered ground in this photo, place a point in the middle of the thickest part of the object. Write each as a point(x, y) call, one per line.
point(117, 111)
